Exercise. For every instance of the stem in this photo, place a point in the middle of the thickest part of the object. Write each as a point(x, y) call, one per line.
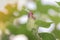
point(35, 32)
point(0, 34)
point(32, 26)
point(0, 37)
point(2, 28)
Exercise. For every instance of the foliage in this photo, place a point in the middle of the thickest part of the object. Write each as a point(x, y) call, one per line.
point(32, 23)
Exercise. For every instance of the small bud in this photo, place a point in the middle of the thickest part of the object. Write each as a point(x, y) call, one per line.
point(31, 15)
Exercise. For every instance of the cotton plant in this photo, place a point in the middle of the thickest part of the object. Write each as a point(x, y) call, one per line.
point(31, 26)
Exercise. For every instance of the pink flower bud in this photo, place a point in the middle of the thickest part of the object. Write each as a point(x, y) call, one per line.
point(30, 14)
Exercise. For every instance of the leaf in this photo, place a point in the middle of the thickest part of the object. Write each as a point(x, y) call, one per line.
point(58, 3)
point(12, 28)
point(9, 16)
point(23, 12)
point(57, 33)
point(44, 8)
point(5, 37)
point(47, 36)
point(11, 7)
point(42, 23)
point(55, 19)
point(21, 30)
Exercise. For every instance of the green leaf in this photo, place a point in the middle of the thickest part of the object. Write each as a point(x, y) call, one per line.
point(55, 19)
point(5, 37)
point(44, 8)
point(42, 23)
point(23, 12)
point(13, 29)
point(58, 3)
point(21, 30)
point(47, 36)
point(57, 33)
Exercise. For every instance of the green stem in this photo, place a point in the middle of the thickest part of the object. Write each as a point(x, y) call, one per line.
point(0, 37)
point(35, 32)
point(2, 28)
point(31, 26)
point(1, 34)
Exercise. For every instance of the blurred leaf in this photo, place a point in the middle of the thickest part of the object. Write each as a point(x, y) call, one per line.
point(56, 33)
point(44, 8)
point(47, 36)
point(23, 12)
point(55, 19)
point(42, 23)
point(9, 16)
point(5, 37)
point(21, 30)
point(58, 3)
point(11, 7)
point(12, 28)
point(2, 16)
